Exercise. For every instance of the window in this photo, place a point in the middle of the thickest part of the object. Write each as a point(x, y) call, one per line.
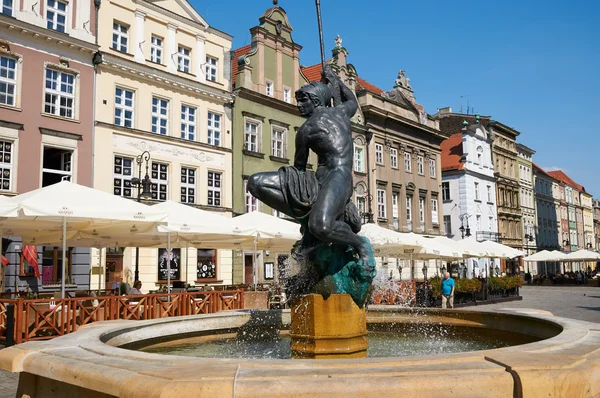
point(422, 213)
point(211, 69)
point(409, 211)
point(156, 49)
point(278, 142)
point(378, 153)
point(56, 15)
point(359, 161)
point(188, 185)
point(206, 264)
point(160, 181)
point(491, 224)
point(214, 188)
point(394, 158)
point(120, 37)
point(420, 165)
point(361, 205)
point(188, 122)
point(6, 7)
point(287, 95)
point(251, 136)
point(479, 161)
point(122, 172)
point(214, 129)
point(395, 210)
point(251, 201)
point(8, 80)
point(478, 223)
point(269, 88)
point(160, 108)
point(476, 187)
point(447, 225)
point(381, 203)
point(434, 211)
point(446, 191)
point(407, 162)
point(432, 168)
point(489, 192)
point(183, 59)
point(59, 94)
point(123, 107)
point(56, 165)
point(52, 261)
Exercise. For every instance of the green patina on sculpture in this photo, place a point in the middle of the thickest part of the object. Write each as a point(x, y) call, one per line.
point(333, 258)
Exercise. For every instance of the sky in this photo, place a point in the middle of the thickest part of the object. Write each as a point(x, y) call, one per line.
point(533, 65)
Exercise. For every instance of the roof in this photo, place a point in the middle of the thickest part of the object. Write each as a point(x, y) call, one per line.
point(313, 73)
point(562, 177)
point(452, 152)
point(539, 170)
point(234, 61)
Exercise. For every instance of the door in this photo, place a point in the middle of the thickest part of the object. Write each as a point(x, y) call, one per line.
point(248, 275)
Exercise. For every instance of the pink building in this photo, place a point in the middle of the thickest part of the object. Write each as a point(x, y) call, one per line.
point(46, 116)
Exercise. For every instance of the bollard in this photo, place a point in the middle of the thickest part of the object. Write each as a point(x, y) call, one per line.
point(10, 325)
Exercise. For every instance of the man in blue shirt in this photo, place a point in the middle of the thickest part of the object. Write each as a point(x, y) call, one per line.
point(447, 290)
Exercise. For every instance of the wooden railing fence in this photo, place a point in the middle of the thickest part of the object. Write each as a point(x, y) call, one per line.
point(41, 319)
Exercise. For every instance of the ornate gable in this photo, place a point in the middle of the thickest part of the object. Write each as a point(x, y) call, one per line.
point(179, 7)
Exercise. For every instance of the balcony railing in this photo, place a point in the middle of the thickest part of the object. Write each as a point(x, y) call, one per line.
point(486, 235)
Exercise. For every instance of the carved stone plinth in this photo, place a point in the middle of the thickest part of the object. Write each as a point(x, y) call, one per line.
point(332, 328)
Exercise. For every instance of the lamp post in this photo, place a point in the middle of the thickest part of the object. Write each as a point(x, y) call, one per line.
point(443, 269)
point(464, 231)
point(399, 268)
point(497, 271)
point(144, 193)
point(528, 238)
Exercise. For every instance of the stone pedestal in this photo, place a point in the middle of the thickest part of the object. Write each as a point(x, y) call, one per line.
point(332, 328)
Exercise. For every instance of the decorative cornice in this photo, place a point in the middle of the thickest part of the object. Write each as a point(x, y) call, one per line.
point(253, 116)
point(175, 140)
point(61, 134)
point(48, 35)
point(12, 125)
point(149, 73)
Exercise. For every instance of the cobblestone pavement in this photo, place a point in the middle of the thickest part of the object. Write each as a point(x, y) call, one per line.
point(574, 302)
point(581, 303)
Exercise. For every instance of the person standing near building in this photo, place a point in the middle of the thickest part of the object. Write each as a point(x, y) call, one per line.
point(447, 290)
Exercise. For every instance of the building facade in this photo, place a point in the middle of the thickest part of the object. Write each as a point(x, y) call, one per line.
point(510, 213)
point(266, 75)
point(164, 87)
point(527, 198)
point(548, 229)
point(596, 205)
point(469, 189)
point(46, 119)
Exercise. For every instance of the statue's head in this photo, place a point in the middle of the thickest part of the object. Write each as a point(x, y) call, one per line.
point(312, 96)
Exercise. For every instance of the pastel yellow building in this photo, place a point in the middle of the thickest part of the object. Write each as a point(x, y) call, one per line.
point(164, 87)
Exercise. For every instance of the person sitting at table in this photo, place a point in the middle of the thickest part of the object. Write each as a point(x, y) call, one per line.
point(136, 289)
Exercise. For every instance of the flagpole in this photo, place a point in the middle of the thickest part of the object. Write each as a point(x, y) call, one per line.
point(318, 5)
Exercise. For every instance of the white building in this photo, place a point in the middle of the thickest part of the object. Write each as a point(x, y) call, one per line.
point(469, 189)
point(527, 198)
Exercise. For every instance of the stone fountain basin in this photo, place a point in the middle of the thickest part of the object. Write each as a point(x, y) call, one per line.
point(91, 363)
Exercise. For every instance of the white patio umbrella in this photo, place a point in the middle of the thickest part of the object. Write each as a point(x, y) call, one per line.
point(498, 250)
point(268, 233)
point(471, 248)
point(582, 255)
point(87, 208)
point(539, 256)
point(387, 242)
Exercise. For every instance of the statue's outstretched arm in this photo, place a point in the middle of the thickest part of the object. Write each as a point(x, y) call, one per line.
point(339, 90)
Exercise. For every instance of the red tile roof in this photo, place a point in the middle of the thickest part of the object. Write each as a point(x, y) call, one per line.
point(562, 177)
point(234, 62)
point(313, 73)
point(452, 152)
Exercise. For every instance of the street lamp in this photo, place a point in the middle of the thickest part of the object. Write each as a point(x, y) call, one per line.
point(399, 268)
point(464, 231)
point(443, 269)
point(497, 270)
point(144, 193)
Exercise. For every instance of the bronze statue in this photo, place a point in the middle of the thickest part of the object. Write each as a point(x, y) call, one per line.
point(321, 200)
